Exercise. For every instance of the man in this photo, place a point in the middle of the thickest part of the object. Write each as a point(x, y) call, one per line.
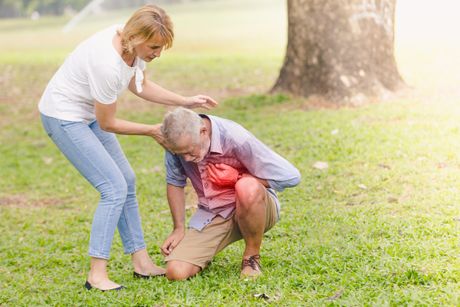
point(234, 175)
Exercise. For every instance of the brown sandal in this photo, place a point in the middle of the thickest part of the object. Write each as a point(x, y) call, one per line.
point(254, 263)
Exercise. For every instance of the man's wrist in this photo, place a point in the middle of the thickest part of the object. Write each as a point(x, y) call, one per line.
point(179, 228)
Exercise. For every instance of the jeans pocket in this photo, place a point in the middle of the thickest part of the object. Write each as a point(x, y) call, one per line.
point(66, 123)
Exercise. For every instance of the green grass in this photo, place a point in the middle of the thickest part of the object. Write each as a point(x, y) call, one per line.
point(379, 227)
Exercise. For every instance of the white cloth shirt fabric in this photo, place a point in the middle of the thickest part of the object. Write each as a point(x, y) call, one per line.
point(94, 71)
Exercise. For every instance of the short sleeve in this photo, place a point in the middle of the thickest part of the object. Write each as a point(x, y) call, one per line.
point(103, 83)
point(175, 174)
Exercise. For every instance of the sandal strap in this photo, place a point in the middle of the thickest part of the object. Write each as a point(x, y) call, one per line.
point(253, 262)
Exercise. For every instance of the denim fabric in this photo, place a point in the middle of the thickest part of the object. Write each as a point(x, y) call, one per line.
point(97, 155)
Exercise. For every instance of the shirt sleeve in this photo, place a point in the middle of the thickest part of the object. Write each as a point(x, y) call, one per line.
point(175, 174)
point(103, 83)
point(264, 163)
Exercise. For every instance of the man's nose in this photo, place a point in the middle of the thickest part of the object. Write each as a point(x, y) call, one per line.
point(157, 53)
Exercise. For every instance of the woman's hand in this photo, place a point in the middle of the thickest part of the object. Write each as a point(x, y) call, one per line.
point(158, 136)
point(171, 242)
point(200, 101)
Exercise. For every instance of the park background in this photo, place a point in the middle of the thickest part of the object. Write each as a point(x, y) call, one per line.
point(379, 226)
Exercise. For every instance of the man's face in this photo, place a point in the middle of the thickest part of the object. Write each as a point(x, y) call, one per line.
point(191, 151)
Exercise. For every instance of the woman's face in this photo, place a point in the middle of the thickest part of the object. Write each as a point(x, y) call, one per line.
point(149, 50)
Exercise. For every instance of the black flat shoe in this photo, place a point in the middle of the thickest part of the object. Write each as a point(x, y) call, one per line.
point(139, 275)
point(88, 286)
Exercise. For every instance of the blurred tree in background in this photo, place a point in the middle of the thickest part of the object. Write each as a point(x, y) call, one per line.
point(342, 50)
point(24, 8)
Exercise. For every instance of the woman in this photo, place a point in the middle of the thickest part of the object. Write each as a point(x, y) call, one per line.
point(78, 111)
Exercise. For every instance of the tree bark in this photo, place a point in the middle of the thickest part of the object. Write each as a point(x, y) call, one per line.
point(342, 50)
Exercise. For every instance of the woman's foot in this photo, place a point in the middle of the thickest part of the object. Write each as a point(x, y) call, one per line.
point(103, 284)
point(98, 277)
point(90, 286)
point(148, 271)
point(144, 266)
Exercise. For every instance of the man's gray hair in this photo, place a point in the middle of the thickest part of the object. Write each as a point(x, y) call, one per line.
point(180, 122)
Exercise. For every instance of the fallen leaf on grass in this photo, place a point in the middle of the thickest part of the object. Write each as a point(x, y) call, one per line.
point(337, 295)
point(335, 131)
point(362, 186)
point(384, 166)
point(262, 296)
point(267, 298)
point(47, 160)
point(392, 199)
point(321, 165)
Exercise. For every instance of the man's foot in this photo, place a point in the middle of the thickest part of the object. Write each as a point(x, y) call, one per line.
point(250, 267)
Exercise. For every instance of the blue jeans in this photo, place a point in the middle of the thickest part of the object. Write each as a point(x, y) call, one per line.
point(97, 155)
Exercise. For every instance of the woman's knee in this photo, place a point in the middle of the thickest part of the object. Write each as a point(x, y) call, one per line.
point(180, 270)
point(114, 191)
point(130, 178)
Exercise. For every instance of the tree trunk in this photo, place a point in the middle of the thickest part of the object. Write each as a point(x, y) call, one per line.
point(342, 50)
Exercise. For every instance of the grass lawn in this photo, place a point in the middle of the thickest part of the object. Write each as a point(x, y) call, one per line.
point(380, 226)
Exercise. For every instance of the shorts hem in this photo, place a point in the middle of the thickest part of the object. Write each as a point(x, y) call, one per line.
point(188, 261)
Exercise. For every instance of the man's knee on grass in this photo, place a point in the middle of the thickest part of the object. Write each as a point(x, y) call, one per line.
point(181, 270)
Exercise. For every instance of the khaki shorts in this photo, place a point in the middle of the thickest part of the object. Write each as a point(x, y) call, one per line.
point(200, 247)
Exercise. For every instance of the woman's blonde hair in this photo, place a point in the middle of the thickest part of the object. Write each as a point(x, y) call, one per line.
point(148, 22)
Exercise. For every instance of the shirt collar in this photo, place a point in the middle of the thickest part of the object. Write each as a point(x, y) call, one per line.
point(216, 146)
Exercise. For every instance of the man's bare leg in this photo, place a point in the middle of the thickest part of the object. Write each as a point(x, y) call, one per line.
point(250, 215)
point(181, 270)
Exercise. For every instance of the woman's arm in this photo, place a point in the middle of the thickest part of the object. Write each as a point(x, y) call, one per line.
point(155, 93)
point(105, 115)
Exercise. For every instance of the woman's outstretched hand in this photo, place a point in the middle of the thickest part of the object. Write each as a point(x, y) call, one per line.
point(200, 101)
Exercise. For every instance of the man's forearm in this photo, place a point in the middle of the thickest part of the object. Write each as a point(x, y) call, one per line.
point(176, 200)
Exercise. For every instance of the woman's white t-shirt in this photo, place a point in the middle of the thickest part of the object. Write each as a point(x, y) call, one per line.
point(94, 71)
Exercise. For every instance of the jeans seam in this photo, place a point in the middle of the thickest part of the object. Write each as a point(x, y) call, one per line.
point(129, 228)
